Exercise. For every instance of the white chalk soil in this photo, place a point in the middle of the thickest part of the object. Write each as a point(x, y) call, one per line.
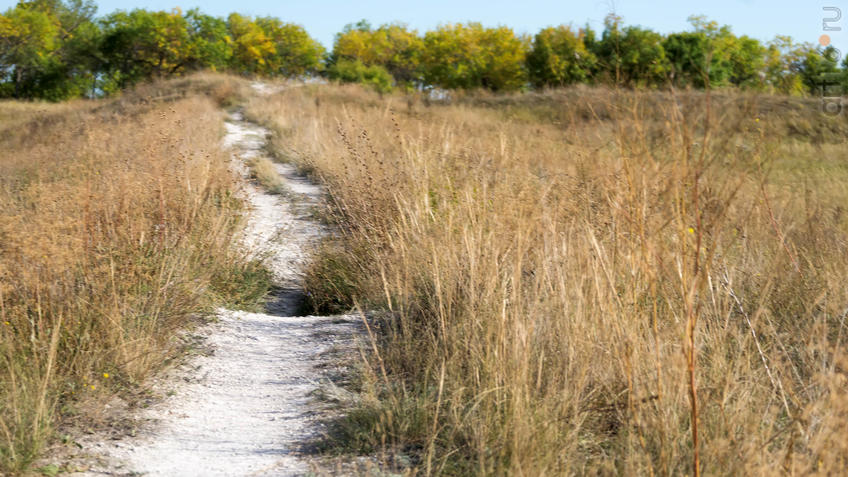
point(248, 406)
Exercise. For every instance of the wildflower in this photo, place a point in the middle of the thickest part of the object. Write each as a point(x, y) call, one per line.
point(106, 375)
point(6, 323)
point(691, 230)
point(757, 120)
point(93, 387)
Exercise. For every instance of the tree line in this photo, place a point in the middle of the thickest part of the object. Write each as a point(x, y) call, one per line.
point(58, 49)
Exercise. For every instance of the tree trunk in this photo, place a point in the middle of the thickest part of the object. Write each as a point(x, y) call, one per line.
point(18, 79)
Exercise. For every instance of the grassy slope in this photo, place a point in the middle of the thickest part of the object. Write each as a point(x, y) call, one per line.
point(117, 220)
point(554, 268)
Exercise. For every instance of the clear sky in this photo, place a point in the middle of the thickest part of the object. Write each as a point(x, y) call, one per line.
point(801, 19)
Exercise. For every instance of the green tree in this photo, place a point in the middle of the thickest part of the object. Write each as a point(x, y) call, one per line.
point(142, 44)
point(43, 49)
point(817, 65)
point(797, 69)
point(687, 56)
point(632, 56)
point(718, 44)
point(209, 40)
point(747, 57)
point(712, 52)
point(471, 56)
point(559, 57)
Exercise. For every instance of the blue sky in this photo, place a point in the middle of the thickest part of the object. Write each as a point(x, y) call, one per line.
point(801, 19)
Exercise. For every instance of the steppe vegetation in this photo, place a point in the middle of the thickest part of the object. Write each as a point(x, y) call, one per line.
point(585, 280)
point(118, 221)
point(577, 252)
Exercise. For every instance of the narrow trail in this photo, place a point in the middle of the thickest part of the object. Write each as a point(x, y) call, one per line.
point(247, 406)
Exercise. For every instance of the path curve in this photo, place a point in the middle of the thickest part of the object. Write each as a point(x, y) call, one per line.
point(247, 406)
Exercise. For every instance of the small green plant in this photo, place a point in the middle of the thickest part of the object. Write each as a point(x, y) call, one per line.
point(330, 281)
point(242, 284)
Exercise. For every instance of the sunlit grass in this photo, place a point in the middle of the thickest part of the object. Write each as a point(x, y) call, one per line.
point(118, 221)
point(566, 282)
point(263, 171)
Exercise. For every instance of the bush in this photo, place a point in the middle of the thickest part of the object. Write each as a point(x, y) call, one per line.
point(374, 76)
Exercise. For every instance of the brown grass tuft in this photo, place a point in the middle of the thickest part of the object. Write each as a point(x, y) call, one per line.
point(262, 170)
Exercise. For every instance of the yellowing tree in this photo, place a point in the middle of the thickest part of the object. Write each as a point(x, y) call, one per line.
point(253, 49)
point(783, 66)
point(392, 46)
point(471, 56)
point(28, 37)
point(295, 52)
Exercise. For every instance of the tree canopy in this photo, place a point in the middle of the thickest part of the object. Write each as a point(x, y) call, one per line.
point(57, 49)
point(473, 56)
point(559, 56)
point(393, 47)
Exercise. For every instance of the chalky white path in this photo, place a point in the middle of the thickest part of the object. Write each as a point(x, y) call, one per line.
point(247, 406)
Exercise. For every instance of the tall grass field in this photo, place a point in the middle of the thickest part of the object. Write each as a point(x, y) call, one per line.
point(586, 280)
point(118, 225)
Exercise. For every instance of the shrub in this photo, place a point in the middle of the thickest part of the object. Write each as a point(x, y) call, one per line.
point(355, 71)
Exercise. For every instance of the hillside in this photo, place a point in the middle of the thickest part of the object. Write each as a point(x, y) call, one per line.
point(585, 280)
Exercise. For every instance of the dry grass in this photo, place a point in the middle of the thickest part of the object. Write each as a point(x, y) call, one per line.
point(262, 170)
point(587, 281)
point(116, 224)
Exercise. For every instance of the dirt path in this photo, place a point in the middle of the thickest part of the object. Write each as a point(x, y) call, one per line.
point(247, 406)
